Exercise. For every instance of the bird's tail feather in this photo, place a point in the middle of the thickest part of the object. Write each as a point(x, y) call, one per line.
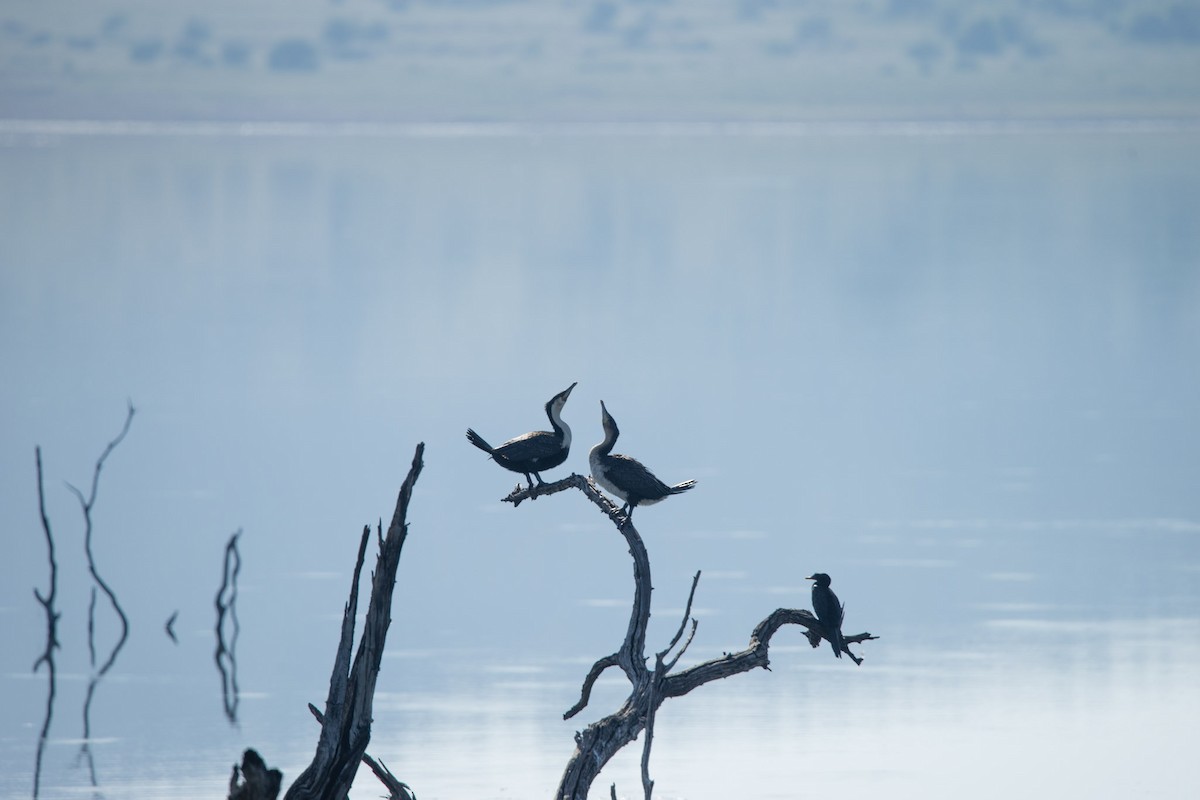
point(836, 640)
point(477, 440)
point(682, 487)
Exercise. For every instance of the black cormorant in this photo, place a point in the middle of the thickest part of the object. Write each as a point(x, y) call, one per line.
point(828, 610)
point(537, 451)
point(624, 476)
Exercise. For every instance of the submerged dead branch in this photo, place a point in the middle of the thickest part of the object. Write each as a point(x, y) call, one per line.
point(601, 740)
point(47, 603)
point(86, 505)
point(226, 604)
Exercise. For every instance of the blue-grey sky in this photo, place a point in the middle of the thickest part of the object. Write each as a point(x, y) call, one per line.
point(598, 59)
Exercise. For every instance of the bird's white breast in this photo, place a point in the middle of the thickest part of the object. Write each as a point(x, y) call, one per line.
point(596, 461)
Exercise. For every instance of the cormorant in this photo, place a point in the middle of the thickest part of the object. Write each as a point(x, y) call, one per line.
point(828, 610)
point(624, 476)
point(533, 452)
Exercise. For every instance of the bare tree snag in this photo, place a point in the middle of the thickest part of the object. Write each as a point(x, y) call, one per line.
point(600, 741)
point(346, 730)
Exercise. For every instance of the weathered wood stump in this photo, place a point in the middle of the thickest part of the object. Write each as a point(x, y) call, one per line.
point(253, 780)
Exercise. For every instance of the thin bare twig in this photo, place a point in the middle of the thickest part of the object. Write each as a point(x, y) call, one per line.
point(687, 614)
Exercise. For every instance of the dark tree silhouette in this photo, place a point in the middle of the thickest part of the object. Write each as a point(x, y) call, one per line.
point(600, 741)
point(346, 722)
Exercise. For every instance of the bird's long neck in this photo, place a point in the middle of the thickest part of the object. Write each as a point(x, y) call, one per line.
point(610, 439)
point(554, 412)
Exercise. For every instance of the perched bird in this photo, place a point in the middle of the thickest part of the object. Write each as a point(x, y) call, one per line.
point(624, 476)
point(533, 452)
point(828, 610)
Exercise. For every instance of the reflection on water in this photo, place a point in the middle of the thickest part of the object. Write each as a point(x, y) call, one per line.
point(1061, 705)
point(955, 372)
point(1012, 714)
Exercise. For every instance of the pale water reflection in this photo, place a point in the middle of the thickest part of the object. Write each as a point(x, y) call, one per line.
point(955, 370)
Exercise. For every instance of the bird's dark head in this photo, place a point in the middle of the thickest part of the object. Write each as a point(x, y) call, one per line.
point(820, 577)
point(606, 419)
point(559, 400)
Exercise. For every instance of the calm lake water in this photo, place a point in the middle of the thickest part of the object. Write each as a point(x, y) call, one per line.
point(954, 367)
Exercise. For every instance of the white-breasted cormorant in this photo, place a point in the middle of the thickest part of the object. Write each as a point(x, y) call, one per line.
point(624, 476)
point(828, 610)
point(533, 452)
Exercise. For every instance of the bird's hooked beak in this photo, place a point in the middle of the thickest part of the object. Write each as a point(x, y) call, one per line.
point(811, 578)
point(559, 400)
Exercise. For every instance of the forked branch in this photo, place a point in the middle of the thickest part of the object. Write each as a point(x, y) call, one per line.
point(346, 729)
point(397, 789)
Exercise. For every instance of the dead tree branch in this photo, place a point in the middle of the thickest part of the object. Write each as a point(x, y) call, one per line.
point(687, 615)
point(226, 604)
point(585, 693)
point(397, 789)
point(600, 741)
point(47, 602)
point(346, 730)
point(86, 506)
